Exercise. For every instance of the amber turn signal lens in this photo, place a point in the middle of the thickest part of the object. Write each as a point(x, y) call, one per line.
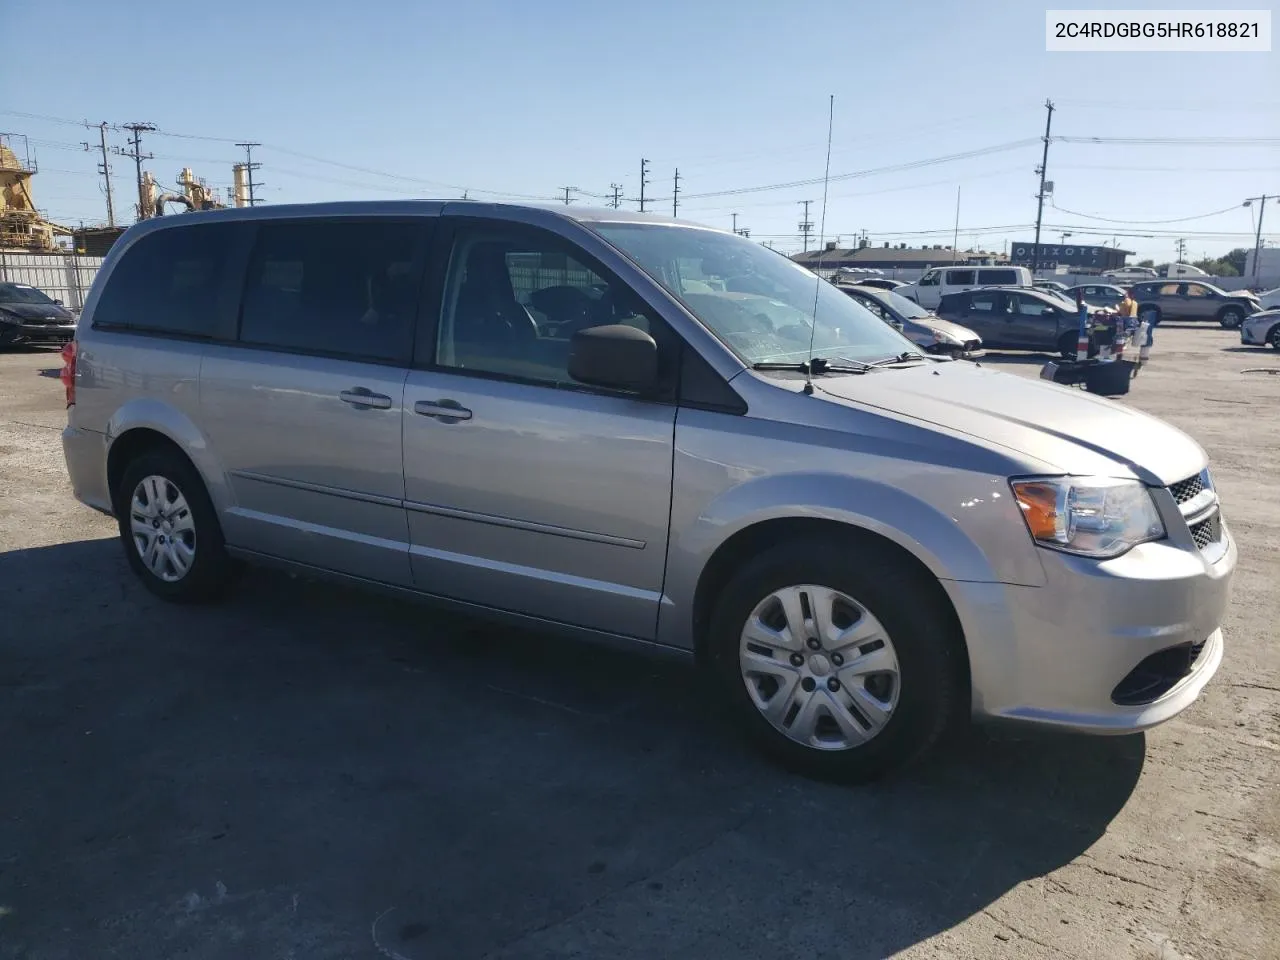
point(1042, 509)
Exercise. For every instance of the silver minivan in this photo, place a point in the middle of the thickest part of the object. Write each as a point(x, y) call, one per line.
point(641, 429)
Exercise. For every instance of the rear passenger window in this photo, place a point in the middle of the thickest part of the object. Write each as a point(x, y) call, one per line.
point(997, 278)
point(339, 287)
point(983, 302)
point(168, 281)
point(959, 278)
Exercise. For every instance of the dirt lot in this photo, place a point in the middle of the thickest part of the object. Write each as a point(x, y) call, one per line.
point(313, 774)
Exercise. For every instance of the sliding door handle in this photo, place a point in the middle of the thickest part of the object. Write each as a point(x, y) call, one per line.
point(448, 411)
point(363, 397)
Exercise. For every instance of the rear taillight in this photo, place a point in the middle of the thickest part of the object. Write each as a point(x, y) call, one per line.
point(68, 375)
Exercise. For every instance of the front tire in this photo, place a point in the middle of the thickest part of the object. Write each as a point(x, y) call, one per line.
point(835, 661)
point(169, 530)
point(1273, 337)
point(1231, 318)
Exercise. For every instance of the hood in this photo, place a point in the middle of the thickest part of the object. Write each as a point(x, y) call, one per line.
point(1070, 430)
point(953, 331)
point(37, 311)
point(1242, 295)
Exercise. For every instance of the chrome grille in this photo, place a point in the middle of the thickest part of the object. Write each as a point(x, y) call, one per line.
point(1207, 531)
point(1184, 490)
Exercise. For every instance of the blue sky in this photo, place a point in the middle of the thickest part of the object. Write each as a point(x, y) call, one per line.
point(531, 98)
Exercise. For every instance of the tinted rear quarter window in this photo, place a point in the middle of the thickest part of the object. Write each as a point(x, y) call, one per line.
point(959, 277)
point(168, 280)
point(332, 287)
point(998, 277)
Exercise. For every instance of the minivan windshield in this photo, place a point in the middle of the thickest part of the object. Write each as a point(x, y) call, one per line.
point(758, 302)
point(21, 293)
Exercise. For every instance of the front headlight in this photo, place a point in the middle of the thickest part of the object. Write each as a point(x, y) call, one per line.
point(1088, 516)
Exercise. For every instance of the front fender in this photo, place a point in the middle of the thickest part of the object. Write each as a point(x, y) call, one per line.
point(961, 525)
point(146, 413)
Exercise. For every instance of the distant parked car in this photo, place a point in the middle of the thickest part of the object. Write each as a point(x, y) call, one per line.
point(936, 283)
point(1261, 329)
point(1270, 299)
point(1130, 273)
point(1195, 300)
point(1018, 319)
point(29, 315)
point(1097, 295)
point(920, 326)
point(883, 283)
point(1053, 285)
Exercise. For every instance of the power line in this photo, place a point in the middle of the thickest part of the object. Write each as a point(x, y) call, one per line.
point(876, 171)
point(1182, 141)
point(1199, 216)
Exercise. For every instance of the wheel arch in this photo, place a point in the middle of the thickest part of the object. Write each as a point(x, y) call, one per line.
point(759, 536)
point(146, 424)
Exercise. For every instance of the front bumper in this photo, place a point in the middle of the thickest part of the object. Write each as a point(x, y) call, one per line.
point(38, 333)
point(1253, 336)
point(1078, 653)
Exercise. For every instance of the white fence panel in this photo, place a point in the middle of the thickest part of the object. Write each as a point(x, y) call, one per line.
point(65, 277)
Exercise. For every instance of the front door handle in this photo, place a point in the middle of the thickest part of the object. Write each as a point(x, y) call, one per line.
point(363, 397)
point(447, 411)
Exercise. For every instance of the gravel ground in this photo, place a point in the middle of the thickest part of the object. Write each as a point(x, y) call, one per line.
point(305, 772)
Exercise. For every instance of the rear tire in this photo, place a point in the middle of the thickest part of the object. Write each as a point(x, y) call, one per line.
point(169, 529)
point(900, 677)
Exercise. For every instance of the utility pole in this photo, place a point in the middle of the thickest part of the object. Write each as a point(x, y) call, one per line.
point(806, 225)
point(136, 154)
point(249, 167)
point(1257, 242)
point(567, 199)
point(644, 180)
point(675, 194)
point(735, 223)
point(617, 194)
point(105, 170)
point(1182, 250)
point(1044, 165)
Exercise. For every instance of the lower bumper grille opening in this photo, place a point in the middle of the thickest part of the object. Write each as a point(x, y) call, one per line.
point(1156, 675)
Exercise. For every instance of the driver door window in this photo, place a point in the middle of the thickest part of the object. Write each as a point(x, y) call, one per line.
point(513, 301)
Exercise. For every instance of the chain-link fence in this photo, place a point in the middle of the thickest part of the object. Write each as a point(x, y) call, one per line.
point(62, 276)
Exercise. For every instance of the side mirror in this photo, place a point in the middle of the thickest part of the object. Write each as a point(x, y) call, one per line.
point(58, 302)
point(616, 356)
point(1048, 312)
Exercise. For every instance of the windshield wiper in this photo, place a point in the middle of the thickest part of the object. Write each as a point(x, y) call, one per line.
point(818, 365)
point(900, 358)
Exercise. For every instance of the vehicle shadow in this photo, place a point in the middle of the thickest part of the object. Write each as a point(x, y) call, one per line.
point(305, 765)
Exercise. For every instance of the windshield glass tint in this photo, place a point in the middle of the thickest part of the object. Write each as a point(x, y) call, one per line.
point(757, 301)
point(20, 293)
